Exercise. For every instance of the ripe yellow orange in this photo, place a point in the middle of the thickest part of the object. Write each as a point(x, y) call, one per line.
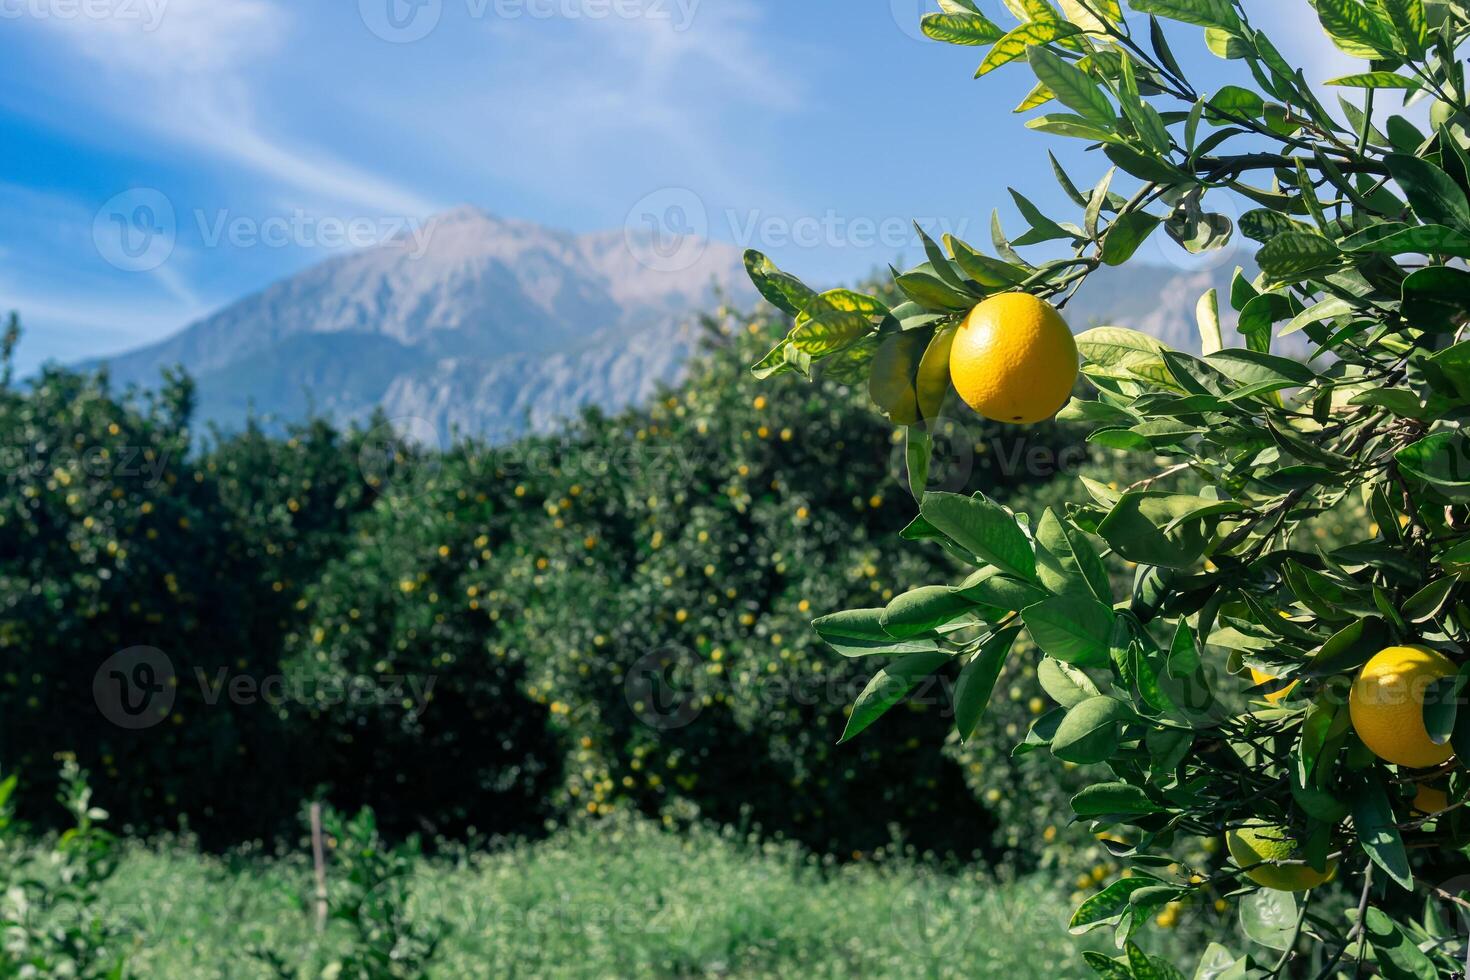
point(1259, 677)
point(1014, 359)
point(1387, 705)
point(1260, 841)
point(1430, 800)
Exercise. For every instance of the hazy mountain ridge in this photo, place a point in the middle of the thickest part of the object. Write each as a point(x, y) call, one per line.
point(1157, 300)
point(474, 322)
point(485, 326)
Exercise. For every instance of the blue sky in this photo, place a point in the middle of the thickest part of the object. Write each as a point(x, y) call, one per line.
point(270, 134)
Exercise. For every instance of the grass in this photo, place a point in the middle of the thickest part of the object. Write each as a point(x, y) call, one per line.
point(620, 899)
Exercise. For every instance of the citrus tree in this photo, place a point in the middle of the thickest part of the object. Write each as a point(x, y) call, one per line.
point(1294, 705)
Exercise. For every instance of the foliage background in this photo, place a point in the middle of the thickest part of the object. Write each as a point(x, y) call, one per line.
point(528, 583)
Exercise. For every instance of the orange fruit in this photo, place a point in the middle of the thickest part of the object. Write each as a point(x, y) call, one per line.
point(1014, 360)
point(1430, 800)
point(1262, 843)
point(1259, 677)
point(1387, 705)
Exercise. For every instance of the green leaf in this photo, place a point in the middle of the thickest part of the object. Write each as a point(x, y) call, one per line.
point(1409, 23)
point(1043, 229)
point(1015, 44)
point(1135, 529)
point(984, 528)
point(1071, 628)
point(1347, 649)
point(921, 610)
point(1106, 968)
point(1442, 459)
point(1377, 833)
point(1197, 230)
point(1328, 309)
point(1146, 120)
point(888, 687)
point(1072, 87)
point(1432, 193)
point(1039, 96)
point(1427, 602)
point(1356, 28)
point(1086, 15)
point(1068, 686)
point(1252, 367)
point(860, 633)
point(1441, 706)
point(977, 681)
point(1436, 298)
point(1269, 917)
point(961, 28)
point(1223, 44)
point(1218, 963)
point(1398, 956)
point(1294, 255)
point(988, 272)
point(1236, 103)
point(1262, 225)
point(991, 587)
point(1067, 563)
point(830, 332)
point(1396, 400)
point(774, 363)
point(1460, 734)
point(892, 375)
point(918, 448)
point(1126, 235)
point(1419, 239)
point(783, 291)
point(1117, 352)
point(1207, 315)
point(1144, 166)
point(1089, 733)
point(1453, 363)
point(1377, 79)
point(1147, 967)
point(1107, 904)
point(1202, 13)
point(1112, 799)
point(1067, 124)
point(933, 293)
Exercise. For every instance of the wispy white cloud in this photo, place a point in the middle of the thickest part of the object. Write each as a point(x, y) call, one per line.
point(169, 38)
point(636, 88)
point(188, 78)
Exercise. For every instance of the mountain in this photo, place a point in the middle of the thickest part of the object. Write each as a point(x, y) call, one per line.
point(477, 323)
point(1157, 300)
point(488, 326)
